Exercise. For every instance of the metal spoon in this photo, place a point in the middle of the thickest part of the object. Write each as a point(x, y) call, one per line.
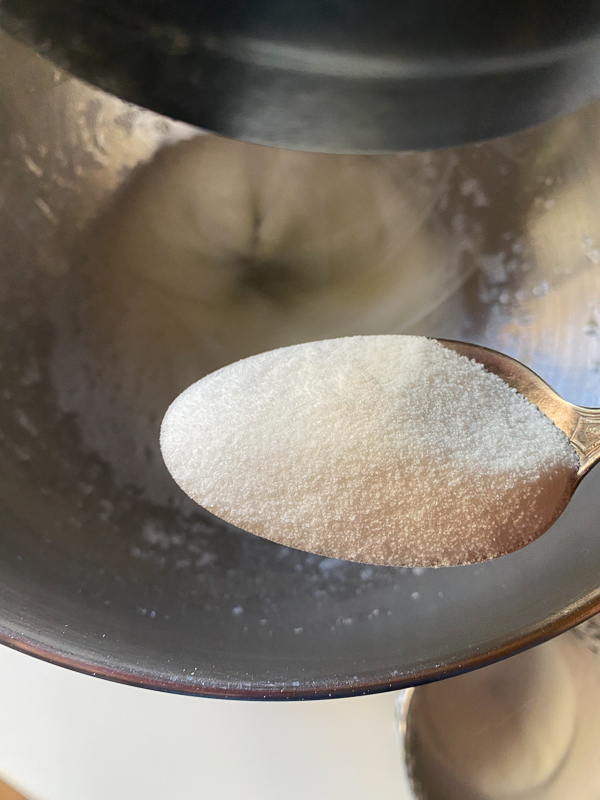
point(580, 425)
point(187, 429)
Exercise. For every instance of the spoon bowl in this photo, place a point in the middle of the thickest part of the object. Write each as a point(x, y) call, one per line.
point(387, 450)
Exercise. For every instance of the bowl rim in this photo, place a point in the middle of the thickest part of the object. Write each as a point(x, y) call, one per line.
point(331, 689)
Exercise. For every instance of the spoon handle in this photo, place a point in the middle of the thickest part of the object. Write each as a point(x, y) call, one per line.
point(585, 438)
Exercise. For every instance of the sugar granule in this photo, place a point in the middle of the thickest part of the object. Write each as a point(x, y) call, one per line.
point(381, 449)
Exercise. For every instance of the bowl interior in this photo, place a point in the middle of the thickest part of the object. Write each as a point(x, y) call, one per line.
point(136, 255)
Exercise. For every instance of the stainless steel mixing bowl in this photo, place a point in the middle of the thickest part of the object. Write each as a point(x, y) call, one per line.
point(136, 255)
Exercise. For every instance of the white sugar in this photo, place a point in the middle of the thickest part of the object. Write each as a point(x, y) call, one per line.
point(381, 449)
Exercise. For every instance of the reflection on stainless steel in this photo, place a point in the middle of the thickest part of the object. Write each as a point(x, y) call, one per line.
point(135, 256)
point(525, 728)
point(216, 250)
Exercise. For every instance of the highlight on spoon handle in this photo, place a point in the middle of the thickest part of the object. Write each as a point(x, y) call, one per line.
point(585, 438)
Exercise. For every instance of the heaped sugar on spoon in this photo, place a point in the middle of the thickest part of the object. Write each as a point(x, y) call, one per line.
point(396, 450)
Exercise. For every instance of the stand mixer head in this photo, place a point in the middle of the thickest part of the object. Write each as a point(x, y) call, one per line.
point(319, 75)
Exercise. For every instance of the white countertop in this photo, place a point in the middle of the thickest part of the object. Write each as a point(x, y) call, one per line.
point(65, 736)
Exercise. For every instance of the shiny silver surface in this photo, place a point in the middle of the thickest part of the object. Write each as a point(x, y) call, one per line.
point(524, 728)
point(135, 256)
point(372, 76)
